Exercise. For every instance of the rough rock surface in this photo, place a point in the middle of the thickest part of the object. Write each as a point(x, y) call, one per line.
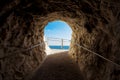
point(95, 25)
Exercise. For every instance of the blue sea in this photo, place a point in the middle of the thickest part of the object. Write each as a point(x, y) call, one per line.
point(60, 47)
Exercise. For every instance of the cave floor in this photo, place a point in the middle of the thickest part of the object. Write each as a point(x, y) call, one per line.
point(59, 66)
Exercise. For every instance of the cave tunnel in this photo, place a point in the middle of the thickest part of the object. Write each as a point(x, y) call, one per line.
point(95, 25)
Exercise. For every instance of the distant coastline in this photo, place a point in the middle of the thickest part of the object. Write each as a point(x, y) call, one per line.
point(59, 47)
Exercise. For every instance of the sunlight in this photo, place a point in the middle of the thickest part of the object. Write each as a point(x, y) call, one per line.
point(57, 37)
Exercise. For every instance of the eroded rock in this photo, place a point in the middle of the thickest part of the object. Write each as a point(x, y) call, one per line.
point(95, 25)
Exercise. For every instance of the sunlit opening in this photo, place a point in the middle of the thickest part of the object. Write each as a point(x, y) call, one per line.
point(57, 37)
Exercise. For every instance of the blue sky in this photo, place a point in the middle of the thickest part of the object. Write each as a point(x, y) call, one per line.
point(58, 29)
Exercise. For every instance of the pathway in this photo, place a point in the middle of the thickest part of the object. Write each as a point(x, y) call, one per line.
point(58, 67)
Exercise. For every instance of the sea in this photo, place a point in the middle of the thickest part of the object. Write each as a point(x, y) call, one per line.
point(59, 47)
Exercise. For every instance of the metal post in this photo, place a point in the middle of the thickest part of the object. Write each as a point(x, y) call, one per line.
point(62, 43)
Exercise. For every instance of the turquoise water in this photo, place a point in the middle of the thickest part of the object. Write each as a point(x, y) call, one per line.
point(60, 47)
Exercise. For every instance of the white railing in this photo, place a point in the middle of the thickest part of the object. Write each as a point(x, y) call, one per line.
point(62, 41)
point(57, 42)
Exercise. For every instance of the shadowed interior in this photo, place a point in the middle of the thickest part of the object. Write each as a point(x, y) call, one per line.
point(95, 25)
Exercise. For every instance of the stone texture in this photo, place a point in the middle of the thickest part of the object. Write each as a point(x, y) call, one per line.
point(95, 25)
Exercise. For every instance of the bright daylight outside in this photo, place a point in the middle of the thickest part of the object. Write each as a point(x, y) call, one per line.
point(57, 37)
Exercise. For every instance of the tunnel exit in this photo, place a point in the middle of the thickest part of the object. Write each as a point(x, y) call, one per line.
point(57, 37)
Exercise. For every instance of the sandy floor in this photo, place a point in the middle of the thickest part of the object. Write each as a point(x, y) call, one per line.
point(58, 67)
point(52, 51)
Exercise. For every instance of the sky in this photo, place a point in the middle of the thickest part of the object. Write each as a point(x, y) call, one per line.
point(58, 29)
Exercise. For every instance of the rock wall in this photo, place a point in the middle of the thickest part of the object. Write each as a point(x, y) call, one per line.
point(95, 25)
point(18, 54)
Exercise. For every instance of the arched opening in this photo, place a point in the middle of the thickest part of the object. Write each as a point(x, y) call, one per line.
point(57, 37)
